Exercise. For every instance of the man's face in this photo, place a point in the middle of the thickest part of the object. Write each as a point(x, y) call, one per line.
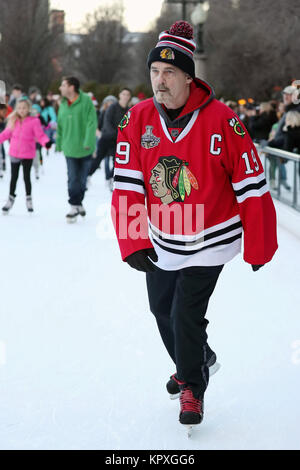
point(170, 84)
point(65, 89)
point(157, 181)
point(124, 98)
point(2, 113)
point(16, 93)
point(287, 98)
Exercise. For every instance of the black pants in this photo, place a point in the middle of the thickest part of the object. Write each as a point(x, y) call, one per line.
point(179, 300)
point(15, 167)
point(105, 147)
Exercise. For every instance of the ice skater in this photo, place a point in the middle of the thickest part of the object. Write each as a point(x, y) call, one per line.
point(192, 159)
point(23, 131)
point(3, 111)
point(76, 137)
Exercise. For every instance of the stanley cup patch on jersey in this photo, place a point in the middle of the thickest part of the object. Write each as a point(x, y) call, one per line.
point(171, 180)
point(149, 140)
point(233, 122)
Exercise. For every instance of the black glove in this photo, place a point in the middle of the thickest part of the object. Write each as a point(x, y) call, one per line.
point(48, 144)
point(256, 267)
point(140, 260)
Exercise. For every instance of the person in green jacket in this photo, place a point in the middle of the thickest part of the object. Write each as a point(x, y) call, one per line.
point(76, 138)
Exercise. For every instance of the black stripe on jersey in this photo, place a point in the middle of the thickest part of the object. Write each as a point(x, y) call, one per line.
point(201, 239)
point(259, 185)
point(128, 179)
point(193, 252)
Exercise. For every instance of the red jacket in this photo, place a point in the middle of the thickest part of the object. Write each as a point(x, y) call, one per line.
point(203, 182)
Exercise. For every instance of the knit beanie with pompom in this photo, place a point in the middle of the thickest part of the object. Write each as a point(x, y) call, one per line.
point(176, 47)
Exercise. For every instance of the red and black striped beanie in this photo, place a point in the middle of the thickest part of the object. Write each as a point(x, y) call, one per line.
point(176, 47)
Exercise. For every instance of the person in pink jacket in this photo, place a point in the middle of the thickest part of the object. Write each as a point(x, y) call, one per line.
point(23, 131)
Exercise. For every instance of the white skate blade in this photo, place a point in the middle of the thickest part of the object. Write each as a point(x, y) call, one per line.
point(214, 368)
point(189, 429)
point(174, 396)
point(72, 221)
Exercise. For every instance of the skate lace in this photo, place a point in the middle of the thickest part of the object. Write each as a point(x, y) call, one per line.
point(189, 403)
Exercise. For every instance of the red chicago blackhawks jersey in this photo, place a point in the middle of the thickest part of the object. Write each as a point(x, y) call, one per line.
point(191, 187)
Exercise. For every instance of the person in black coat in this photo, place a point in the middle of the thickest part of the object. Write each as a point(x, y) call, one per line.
point(260, 124)
point(292, 133)
point(102, 150)
point(3, 110)
point(108, 141)
point(278, 141)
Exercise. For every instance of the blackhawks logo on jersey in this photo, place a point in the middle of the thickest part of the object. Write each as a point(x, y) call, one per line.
point(124, 121)
point(233, 122)
point(171, 180)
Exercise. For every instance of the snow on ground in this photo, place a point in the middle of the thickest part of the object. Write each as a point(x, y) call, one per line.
point(81, 362)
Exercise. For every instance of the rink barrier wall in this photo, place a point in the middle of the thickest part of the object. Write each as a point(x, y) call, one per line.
point(289, 197)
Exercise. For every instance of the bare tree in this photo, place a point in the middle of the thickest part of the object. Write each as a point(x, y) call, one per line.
point(252, 46)
point(26, 42)
point(101, 47)
point(169, 14)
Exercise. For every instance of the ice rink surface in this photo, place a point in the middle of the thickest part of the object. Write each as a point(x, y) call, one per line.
point(81, 362)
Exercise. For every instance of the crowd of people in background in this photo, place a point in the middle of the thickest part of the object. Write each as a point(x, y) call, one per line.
point(275, 123)
point(86, 140)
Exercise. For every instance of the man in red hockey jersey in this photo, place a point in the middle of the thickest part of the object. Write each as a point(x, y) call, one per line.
point(186, 157)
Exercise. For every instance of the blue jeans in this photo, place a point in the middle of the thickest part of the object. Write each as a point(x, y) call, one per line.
point(51, 134)
point(109, 167)
point(78, 170)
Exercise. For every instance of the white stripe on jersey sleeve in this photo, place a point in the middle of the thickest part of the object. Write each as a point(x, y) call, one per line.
point(250, 180)
point(253, 193)
point(131, 173)
point(129, 187)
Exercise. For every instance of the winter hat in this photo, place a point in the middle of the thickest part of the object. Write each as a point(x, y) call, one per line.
point(33, 89)
point(289, 90)
point(176, 47)
point(109, 98)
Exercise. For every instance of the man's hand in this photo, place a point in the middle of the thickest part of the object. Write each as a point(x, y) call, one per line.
point(140, 260)
point(48, 144)
point(256, 267)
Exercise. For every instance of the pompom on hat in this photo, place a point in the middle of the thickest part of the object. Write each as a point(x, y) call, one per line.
point(176, 47)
